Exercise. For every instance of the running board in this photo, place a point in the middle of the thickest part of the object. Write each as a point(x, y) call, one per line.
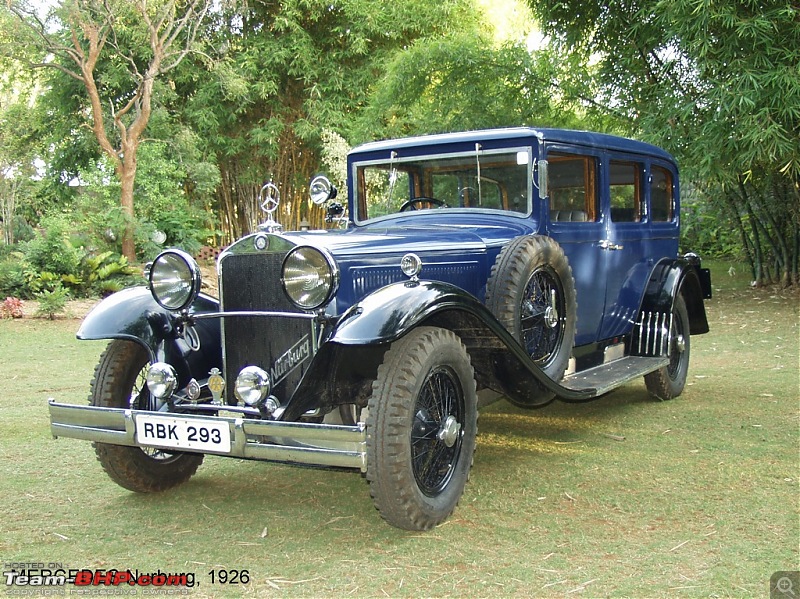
point(614, 374)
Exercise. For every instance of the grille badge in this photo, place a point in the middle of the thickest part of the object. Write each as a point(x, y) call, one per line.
point(291, 359)
point(261, 242)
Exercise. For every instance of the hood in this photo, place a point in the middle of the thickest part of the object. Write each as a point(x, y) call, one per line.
point(401, 239)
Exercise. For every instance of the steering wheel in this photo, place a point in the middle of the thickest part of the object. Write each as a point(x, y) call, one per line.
point(409, 205)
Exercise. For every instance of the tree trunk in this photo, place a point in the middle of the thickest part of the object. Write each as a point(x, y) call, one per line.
point(126, 170)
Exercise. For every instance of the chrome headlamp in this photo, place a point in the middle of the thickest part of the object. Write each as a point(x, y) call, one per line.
point(174, 279)
point(310, 277)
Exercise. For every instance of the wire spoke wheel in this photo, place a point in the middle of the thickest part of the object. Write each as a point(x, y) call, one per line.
point(669, 381)
point(437, 431)
point(542, 316)
point(421, 427)
point(531, 292)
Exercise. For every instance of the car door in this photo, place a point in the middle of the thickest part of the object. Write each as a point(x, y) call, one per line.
point(575, 220)
point(626, 246)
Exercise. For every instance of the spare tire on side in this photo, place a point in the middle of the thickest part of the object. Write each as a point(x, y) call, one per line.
point(531, 291)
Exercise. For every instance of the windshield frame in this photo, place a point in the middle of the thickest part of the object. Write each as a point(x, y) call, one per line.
point(394, 158)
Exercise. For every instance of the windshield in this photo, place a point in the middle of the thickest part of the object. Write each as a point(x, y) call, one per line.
point(495, 180)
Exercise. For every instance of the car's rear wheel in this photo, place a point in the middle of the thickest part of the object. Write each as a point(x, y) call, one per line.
point(119, 382)
point(532, 292)
point(668, 382)
point(421, 427)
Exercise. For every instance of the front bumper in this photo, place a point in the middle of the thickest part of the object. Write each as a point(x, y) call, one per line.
point(269, 440)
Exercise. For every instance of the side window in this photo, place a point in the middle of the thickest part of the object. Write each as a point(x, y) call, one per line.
point(625, 191)
point(572, 186)
point(660, 194)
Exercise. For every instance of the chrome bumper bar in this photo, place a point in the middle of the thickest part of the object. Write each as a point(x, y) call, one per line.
point(270, 440)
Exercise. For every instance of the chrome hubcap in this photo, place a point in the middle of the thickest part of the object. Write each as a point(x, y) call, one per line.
point(551, 312)
point(448, 434)
point(551, 317)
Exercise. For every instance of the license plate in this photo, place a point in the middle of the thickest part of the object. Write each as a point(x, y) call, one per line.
point(183, 433)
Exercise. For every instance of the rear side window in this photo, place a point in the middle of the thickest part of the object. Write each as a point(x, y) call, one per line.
point(661, 204)
point(572, 186)
point(625, 191)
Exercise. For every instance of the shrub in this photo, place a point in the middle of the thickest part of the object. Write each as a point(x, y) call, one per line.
point(38, 281)
point(22, 230)
point(106, 273)
point(13, 281)
point(52, 251)
point(52, 302)
point(11, 308)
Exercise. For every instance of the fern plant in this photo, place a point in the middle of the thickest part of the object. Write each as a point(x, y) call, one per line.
point(53, 302)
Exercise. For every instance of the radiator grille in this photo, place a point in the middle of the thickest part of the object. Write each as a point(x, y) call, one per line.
point(252, 282)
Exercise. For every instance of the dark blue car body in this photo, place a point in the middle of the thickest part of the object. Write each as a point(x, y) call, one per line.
point(534, 264)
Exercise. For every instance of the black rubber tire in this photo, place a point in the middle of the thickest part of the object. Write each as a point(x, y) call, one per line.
point(518, 293)
point(668, 382)
point(421, 428)
point(119, 383)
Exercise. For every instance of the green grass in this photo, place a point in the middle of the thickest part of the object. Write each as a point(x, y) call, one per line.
point(625, 496)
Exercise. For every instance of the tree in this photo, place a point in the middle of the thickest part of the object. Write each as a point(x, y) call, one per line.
point(19, 142)
point(715, 83)
point(16, 165)
point(74, 40)
point(462, 82)
point(284, 72)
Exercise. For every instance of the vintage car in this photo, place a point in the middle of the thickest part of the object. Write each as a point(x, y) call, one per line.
point(530, 264)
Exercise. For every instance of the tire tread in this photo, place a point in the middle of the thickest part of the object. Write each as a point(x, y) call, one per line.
point(130, 467)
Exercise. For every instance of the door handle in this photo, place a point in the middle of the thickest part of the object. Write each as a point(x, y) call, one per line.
point(607, 244)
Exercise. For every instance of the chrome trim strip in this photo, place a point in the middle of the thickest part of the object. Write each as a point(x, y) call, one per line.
point(254, 313)
point(296, 442)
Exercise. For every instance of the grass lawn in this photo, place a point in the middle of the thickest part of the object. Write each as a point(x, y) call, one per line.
point(625, 496)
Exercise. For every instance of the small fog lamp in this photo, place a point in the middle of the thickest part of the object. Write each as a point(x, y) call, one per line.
point(252, 385)
point(161, 380)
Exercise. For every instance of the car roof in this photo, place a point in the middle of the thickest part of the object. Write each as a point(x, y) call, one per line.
point(566, 136)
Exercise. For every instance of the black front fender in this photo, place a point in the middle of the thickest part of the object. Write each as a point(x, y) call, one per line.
point(390, 312)
point(354, 349)
point(132, 314)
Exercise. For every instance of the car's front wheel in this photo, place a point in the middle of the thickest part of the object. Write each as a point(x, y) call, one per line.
point(421, 428)
point(119, 382)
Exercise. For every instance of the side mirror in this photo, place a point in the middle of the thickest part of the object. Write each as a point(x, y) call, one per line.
point(321, 190)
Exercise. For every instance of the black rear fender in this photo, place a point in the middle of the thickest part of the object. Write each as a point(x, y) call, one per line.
point(671, 277)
